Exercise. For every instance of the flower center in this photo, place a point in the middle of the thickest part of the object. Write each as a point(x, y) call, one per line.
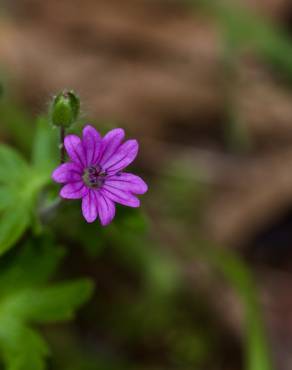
point(94, 176)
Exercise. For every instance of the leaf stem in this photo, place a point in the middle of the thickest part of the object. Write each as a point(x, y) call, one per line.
point(62, 147)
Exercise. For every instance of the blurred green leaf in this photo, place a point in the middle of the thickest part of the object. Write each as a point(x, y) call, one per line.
point(22, 347)
point(21, 183)
point(258, 356)
point(49, 304)
point(6, 197)
point(26, 298)
point(247, 29)
point(12, 167)
point(14, 213)
point(16, 124)
point(29, 269)
point(14, 221)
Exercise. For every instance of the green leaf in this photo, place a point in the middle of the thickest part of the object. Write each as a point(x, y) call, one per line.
point(49, 304)
point(20, 185)
point(22, 347)
point(257, 353)
point(13, 223)
point(6, 197)
point(247, 29)
point(12, 166)
point(16, 124)
point(30, 268)
point(26, 298)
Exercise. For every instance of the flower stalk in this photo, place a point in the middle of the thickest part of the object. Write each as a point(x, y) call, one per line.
point(63, 113)
point(61, 146)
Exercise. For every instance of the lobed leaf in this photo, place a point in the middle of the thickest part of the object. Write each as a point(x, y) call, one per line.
point(12, 166)
point(19, 186)
point(48, 304)
point(13, 222)
point(29, 299)
point(30, 267)
point(22, 347)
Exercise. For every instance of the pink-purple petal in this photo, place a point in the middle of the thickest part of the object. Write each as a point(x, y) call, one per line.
point(106, 208)
point(74, 190)
point(120, 196)
point(128, 182)
point(91, 142)
point(110, 143)
point(75, 149)
point(101, 159)
point(89, 206)
point(67, 172)
point(124, 155)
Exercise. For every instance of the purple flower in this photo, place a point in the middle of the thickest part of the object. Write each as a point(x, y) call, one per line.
point(95, 173)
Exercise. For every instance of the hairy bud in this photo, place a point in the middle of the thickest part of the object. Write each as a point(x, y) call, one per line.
point(65, 109)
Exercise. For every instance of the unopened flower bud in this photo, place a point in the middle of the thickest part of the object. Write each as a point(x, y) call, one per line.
point(65, 109)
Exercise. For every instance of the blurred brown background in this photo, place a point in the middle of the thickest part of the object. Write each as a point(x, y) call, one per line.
point(163, 70)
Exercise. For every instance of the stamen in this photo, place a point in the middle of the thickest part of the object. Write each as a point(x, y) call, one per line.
point(94, 176)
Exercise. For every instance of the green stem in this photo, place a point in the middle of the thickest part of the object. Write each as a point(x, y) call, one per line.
point(62, 147)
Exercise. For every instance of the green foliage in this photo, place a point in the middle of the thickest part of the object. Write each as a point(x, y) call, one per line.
point(248, 30)
point(19, 187)
point(26, 298)
point(235, 271)
point(16, 125)
point(151, 311)
point(21, 183)
point(257, 354)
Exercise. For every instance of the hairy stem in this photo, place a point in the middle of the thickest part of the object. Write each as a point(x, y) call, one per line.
point(62, 147)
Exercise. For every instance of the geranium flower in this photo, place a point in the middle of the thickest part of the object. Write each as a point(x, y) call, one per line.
point(95, 173)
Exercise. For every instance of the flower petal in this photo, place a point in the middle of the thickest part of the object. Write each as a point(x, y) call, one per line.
point(124, 155)
point(75, 149)
point(74, 190)
point(106, 208)
point(120, 196)
point(91, 142)
point(110, 143)
point(89, 206)
point(127, 182)
point(67, 172)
